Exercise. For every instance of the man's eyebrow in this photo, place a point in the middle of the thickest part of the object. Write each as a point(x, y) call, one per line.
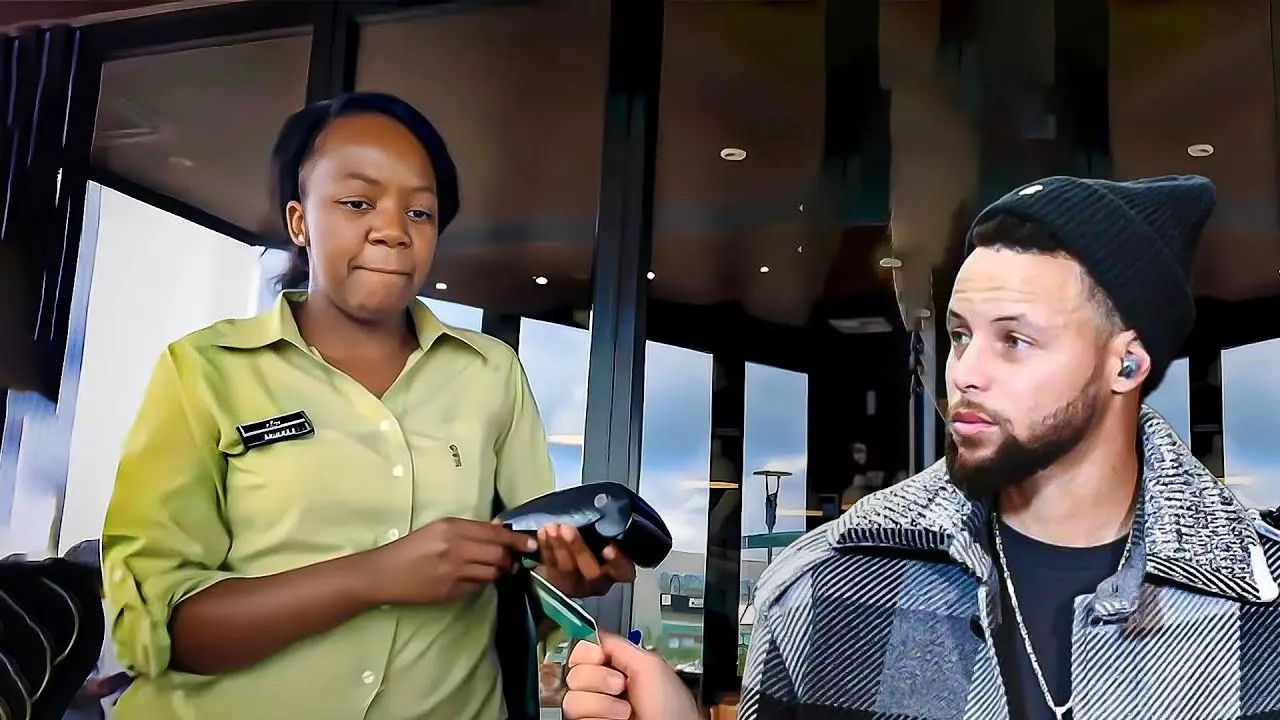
point(1005, 319)
point(1011, 318)
point(1019, 319)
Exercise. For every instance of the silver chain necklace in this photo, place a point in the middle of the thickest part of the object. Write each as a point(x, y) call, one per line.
point(1059, 711)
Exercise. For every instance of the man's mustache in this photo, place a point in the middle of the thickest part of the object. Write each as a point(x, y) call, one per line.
point(955, 409)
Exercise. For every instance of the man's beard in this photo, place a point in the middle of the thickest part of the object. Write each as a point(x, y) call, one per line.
point(1016, 460)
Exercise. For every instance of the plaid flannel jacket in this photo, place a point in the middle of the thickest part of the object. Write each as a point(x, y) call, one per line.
point(887, 612)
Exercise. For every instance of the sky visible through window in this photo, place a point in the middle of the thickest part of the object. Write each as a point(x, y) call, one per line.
point(676, 448)
point(1250, 404)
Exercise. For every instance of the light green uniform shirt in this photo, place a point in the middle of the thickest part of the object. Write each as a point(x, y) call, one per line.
point(192, 506)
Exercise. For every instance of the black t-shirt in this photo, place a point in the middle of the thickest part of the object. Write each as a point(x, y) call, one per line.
point(1048, 579)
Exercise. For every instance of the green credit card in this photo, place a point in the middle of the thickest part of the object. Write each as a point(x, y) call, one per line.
point(569, 615)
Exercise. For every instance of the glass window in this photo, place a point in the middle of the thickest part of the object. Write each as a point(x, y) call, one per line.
point(775, 502)
point(676, 470)
point(194, 277)
point(57, 469)
point(517, 91)
point(272, 265)
point(30, 484)
point(1173, 398)
point(198, 125)
point(1120, 90)
point(1250, 398)
point(555, 358)
point(773, 240)
point(769, 225)
point(1191, 90)
point(524, 126)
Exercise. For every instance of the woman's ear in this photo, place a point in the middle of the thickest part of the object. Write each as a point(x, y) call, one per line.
point(296, 225)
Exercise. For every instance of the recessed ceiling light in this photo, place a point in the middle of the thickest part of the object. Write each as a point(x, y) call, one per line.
point(1200, 150)
point(764, 268)
point(733, 154)
point(801, 207)
point(890, 262)
point(442, 286)
point(540, 280)
point(651, 275)
point(799, 248)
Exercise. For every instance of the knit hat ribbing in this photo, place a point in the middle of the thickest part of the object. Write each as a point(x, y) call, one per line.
point(1137, 239)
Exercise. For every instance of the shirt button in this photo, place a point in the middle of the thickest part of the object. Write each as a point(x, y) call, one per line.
point(398, 471)
point(385, 426)
point(392, 535)
point(368, 677)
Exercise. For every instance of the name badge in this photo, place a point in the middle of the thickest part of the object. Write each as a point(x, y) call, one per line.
point(276, 429)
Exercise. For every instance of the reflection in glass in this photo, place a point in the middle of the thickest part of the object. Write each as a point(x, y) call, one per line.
point(1250, 407)
point(1173, 398)
point(774, 483)
point(675, 475)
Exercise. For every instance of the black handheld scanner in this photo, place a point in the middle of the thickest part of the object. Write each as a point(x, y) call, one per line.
point(603, 513)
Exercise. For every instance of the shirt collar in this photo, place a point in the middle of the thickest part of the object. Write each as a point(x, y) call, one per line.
point(1188, 527)
point(277, 324)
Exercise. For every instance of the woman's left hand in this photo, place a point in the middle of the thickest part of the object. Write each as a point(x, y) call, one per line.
point(570, 565)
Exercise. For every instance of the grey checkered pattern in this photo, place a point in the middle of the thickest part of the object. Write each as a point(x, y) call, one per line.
point(886, 612)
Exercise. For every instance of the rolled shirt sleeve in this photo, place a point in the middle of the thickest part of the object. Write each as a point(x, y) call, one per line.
point(164, 537)
point(523, 470)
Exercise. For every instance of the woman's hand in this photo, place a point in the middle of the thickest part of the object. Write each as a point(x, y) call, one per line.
point(239, 622)
point(570, 565)
point(444, 560)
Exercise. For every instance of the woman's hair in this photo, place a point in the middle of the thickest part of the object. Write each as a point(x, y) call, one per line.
point(297, 141)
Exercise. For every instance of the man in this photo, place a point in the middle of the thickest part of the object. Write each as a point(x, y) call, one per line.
point(1070, 558)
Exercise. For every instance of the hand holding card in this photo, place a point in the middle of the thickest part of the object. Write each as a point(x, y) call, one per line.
point(615, 680)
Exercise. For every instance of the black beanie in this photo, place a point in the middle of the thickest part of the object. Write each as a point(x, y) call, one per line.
point(1137, 239)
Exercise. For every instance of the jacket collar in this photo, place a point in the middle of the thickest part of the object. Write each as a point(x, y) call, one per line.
point(1188, 528)
point(277, 324)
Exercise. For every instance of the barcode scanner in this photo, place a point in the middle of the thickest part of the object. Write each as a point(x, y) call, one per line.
point(603, 513)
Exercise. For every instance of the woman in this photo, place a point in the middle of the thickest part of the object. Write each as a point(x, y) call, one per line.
point(300, 522)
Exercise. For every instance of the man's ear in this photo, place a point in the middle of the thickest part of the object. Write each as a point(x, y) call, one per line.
point(1128, 363)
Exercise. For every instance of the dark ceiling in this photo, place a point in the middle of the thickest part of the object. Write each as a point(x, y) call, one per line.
point(518, 92)
point(23, 12)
